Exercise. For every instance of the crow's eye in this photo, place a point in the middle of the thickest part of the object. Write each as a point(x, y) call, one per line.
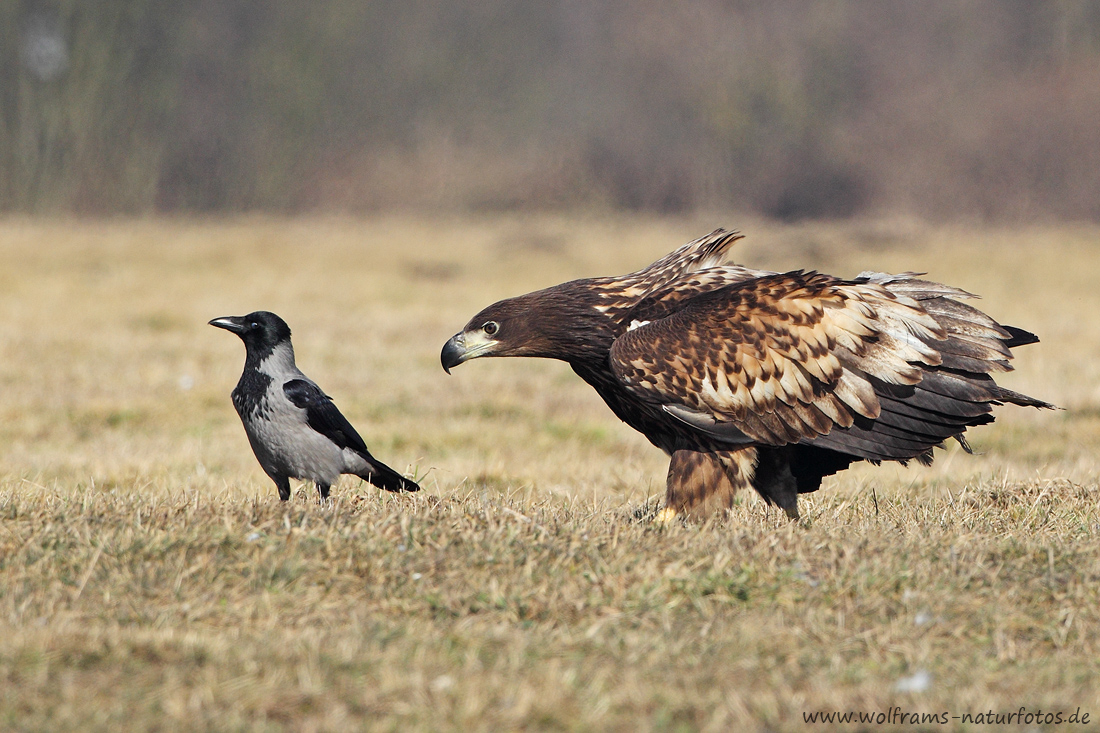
point(491, 327)
point(253, 325)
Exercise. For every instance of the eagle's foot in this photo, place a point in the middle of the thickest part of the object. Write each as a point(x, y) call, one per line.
point(666, 516)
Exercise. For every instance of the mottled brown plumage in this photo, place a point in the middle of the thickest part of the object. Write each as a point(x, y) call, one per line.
point(762, 379)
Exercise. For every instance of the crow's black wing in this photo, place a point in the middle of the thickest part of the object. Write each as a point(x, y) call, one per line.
point(322, 415)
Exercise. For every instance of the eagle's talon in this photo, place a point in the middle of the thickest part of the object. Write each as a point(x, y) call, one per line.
point(666, 516)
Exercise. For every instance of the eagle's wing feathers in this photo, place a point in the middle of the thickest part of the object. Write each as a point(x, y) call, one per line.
point(700, 254)
point(707, 423)
point(689, 265)
point(785, 358)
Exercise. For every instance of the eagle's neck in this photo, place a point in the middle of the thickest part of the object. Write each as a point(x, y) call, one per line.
point(572, 323)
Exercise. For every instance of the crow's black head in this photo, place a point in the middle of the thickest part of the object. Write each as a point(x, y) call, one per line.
point(261, 331)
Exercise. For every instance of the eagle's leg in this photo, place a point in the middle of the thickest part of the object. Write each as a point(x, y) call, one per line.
point(700, 484)
point(775, 481)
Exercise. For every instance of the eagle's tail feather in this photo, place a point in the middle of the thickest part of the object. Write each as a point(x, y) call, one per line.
point(1016, 398)
point(1019, 337)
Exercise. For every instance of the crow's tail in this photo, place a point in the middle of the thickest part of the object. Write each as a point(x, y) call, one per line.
point(384, 477)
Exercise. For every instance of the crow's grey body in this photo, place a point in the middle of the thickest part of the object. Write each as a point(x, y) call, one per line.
point(293, 426)
point(279, 430)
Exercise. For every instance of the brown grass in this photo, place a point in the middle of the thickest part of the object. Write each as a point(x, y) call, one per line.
point(149, 578)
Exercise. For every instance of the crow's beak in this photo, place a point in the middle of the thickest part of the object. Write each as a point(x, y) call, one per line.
point(454, 352)
point(230, 323)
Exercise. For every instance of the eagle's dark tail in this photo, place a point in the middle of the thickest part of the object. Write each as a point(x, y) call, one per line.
point(384, 477)
point(1018, 337)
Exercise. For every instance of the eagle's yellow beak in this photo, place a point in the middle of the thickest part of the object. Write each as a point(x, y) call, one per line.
point(465, 346)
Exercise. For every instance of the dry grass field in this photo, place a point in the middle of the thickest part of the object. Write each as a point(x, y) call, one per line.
point(150, 579)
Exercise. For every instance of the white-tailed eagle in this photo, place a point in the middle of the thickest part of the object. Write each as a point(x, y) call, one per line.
point(763, 379)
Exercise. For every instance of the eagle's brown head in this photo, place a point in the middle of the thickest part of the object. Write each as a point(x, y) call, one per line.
point(578, 321)
point(562, 322)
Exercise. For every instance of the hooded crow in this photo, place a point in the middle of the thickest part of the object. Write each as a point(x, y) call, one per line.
point(294, 428)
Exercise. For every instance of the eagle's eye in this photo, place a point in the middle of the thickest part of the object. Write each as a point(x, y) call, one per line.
point(491, 327)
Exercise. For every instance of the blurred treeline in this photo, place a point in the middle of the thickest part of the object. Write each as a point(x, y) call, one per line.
point(945, 108)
